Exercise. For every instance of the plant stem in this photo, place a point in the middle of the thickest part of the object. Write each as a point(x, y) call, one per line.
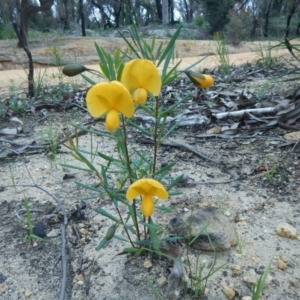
point(120, 216)
point(155, 136)
point(130, 177)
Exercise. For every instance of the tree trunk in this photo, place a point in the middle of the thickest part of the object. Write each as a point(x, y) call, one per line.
point(165, 12)
point(267, 14)
point(26, 10)
point(159, 9)
point(81, 15)
point(289, 18)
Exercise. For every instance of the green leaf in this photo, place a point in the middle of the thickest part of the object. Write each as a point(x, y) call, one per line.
point(138, 127)
point(151, 225)
point(167, 209)
point(153, 235)
point(170, 45)
point(130, 250)
point(75, 167)
point(106, 214)
point(101, 244)
point(88, 187)
point(175, 182)
point(87, 79)
point(164, 169)
point(120, 238)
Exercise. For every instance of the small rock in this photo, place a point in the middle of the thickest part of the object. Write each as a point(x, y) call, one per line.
point(246, 298)
point(285, 258)
point(237, 270)
point(281, 264)
point(147, 264)
point(53, 233)
point(294, 282)
point(208, 221)
point(228, 292)
point(227, 213)
point(39, 229)
point(35, 244)
point(79, 277)
point(286, 230)
point(260, 269)
point(161, 281)
point(80, 282)
point(2, 277)
point(3, 288)
point(276, 282)
point(28, 293)
point(83, 231)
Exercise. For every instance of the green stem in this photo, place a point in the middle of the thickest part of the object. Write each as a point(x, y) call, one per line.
point(130, 177)
point(155, 136)
point(120, 216)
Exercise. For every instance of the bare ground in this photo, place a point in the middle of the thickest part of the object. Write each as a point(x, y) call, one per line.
point(254, 203)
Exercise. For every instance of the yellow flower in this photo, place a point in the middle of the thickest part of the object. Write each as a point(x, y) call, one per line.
point(200, 80)
point(111, 98)
point(141, 76)
point(147, 188)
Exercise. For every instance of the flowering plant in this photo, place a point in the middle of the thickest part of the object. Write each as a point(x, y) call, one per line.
point(131, 177)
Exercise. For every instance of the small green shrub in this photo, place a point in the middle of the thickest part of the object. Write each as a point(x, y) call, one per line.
point(199, 21)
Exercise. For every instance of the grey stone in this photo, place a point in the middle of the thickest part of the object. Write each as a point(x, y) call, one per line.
point(207, 221)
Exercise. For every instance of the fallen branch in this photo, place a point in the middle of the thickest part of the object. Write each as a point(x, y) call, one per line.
point(241, 113)
point(178, 145)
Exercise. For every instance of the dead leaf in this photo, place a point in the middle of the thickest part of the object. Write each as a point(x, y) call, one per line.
point(292, 135)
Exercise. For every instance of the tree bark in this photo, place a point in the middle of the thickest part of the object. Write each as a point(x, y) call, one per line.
point(165, 12)
point(25, 11)
point(159, 9)
point(81, 15)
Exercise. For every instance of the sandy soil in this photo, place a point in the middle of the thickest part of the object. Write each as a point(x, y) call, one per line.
point(254, 206)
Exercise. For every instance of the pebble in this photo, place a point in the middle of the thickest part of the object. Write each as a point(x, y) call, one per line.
point(227, 213)
point(281, 264)
point(53, 233)
point(28, 293)
point(294, 282)
point(79, 277)
point(286, 230)
point(83, 231)
point(285, 258)
point(246, 298)
point(237, 270)
point(147, 264)
point(161, 281)
point(260, 269)
point(80, 282)
point(229, 292)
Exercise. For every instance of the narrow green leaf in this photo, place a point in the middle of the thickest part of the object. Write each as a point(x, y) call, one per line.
point(153, 235)
point(101, 244)
point(106, 214)
point(170, 45)
point(87, 79)
point(163, 208)
point(75, 167)
point(138, 127)
point(120, 238)
point(175, 182)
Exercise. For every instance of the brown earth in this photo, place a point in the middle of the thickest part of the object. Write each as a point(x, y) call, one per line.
point(255, 205)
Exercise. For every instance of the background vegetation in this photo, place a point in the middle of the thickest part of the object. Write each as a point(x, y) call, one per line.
point(238, 20)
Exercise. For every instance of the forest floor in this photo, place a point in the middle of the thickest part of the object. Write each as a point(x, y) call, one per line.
point(254, 180)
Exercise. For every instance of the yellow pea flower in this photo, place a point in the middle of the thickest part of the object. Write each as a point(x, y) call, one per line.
point(147, 188)
point(202, 81)
point(141, 76)
point(111, 98)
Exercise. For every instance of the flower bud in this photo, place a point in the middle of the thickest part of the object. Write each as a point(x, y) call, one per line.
point(111, 232)
point(73, 69)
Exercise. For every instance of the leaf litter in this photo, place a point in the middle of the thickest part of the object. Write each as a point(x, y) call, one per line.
point(249, 117)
